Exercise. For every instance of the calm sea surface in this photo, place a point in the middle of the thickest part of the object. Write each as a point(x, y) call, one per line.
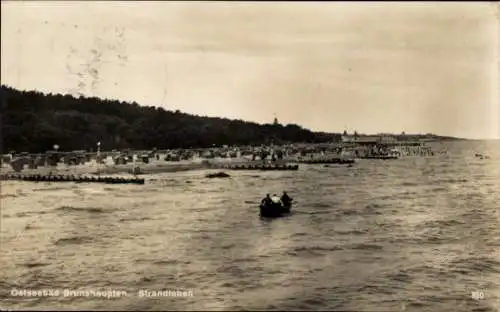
point(415, 234)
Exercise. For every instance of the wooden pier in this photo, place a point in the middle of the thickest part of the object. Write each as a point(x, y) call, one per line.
point(70, 178)
point(329, 161)
point(267, 167)
point(383, 157)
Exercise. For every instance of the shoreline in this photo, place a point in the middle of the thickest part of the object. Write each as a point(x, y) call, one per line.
point(126, 169)
point(108, 169)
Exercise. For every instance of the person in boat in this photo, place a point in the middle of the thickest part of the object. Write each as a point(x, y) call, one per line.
point(275, 198)
point(266, 200)
point(285, 199)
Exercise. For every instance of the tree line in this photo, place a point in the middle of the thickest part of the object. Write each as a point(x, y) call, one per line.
point(34, 122)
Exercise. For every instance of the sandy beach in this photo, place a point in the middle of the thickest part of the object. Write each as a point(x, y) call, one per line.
point(108, 168)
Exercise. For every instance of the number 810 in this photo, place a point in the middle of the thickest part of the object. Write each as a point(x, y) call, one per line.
point(477, 295)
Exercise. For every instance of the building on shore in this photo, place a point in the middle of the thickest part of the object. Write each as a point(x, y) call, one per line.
point(383, 144)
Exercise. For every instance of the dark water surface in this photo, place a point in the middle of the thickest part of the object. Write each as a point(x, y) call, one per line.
point(415, 234)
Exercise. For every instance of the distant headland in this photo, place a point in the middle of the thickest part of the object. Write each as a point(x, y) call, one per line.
point(34, 122)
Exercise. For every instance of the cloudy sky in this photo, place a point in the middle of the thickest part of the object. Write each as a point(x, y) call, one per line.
point(329, 66)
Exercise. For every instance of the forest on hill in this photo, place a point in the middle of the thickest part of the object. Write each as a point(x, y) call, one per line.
point(33, 122)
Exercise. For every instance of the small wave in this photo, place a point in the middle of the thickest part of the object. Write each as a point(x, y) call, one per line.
point(145, 279)
point(474, 213)
point(320, 205)
point(9, 195)
point(30, 227)
point(74, 240)
point(232, 269)
point(373, 206)
point(369, 209)
point(319, 212)
point(410, 184)
point(349, 212)
point(244, 260)
point(76, 209)
point(450, 181)
point(134, 219)
point(312, 251)
point(400, 276)
point(34, 264)
point(366, 247)
point(29, 213)
point(434, 238)
point(351, 232)
point(374, 288)
point(439, 189)
point(228, 246)
point(311, 303)
point(416, 304)
point(402, 195)
point(273, 307)
point(440, 224)
point(227, 285)
point(386, 197)
point(170, 262)
point(483, 309)
point(473, 265)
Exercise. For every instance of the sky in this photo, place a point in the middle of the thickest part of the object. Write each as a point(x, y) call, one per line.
point(328, 66)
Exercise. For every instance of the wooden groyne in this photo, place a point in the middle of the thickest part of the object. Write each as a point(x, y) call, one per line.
point(70, 178)
point(330, 161)
point(383, 157)
point(281, 167)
